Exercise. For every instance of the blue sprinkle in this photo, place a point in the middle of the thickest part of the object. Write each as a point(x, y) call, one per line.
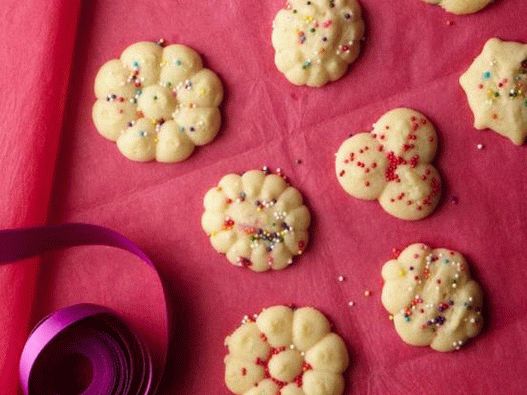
point(486, 75)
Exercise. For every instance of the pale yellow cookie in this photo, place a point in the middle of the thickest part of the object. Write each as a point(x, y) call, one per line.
point(432, 297)
point(157, 103)
point(392, 164)
point(496, 89)
point(461, 7)
point(287, 351)
point(316, 40)
point(257, 220)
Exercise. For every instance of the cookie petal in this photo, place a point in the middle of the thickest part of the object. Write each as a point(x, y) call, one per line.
point(276, 324)
point(111, 118)
point(309, 326)
point(200, 124)
point(172, 146)
point(138, 142)
point(328, 355)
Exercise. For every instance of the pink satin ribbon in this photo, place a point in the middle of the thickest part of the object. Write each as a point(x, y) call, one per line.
point(119, 362)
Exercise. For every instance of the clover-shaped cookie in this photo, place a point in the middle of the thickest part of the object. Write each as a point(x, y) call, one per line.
point(157, 103)
point(316, 40)
point(496, 89)
point(461, 7)
point(393, 164)
point(432, 297)
point(285, 351)
point(257, 219)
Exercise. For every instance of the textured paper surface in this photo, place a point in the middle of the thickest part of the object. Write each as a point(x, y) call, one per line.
point(36, 53)
point(411, 57)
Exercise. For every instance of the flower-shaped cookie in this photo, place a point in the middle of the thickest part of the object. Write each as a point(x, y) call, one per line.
point(256, 219)
point(461, 7)
point(432, 297)
point(316, 40)
point(392, 164)
point(496, 88)
point(157, 103)
point(285, 351)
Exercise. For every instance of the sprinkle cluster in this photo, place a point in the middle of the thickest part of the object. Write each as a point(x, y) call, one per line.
point(392, 164)
point(284, 349)
point(503, 88)
point(310, 28)
point(440, 293)
point(496, 89)
point(147, 97)
point(324, 37)
point(257, 226)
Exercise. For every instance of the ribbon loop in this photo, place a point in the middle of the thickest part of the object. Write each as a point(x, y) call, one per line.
point(87, 341)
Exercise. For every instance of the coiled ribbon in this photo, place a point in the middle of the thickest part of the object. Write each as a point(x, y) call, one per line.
point(119, 362)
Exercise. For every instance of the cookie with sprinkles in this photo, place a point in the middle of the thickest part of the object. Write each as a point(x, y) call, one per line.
point(257, 220)
point(461, 7)
point(157, 102)
point(496, 89)
point(432, 297)
point(316, 40)
point(285, 351)
point(392, 164)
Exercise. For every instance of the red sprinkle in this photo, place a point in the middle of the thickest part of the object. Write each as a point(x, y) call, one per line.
point(228, 223)
point(244, 261)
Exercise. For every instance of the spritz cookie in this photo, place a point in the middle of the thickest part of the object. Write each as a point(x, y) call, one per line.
point(157, 103)
point(496, 89)
point(461, 7)
point(316, 40)
point(392, 164)
point(432, 297)
point(257, 220)
point(285, 351)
